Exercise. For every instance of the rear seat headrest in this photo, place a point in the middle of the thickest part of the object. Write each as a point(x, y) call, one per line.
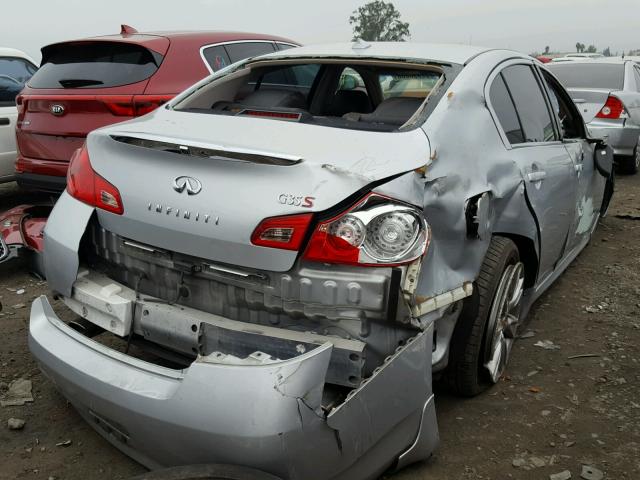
point(394, 110)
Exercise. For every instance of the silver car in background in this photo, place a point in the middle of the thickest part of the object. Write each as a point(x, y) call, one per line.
point(607, 92)
point(269, 270)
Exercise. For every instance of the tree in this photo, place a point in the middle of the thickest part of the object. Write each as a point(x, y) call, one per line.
point(379, 21)
point(546, 50)
point(591, 49)
point(578, 47)
point(607, 52)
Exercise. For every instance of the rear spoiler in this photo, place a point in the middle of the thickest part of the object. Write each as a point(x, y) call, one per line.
point(214, 152)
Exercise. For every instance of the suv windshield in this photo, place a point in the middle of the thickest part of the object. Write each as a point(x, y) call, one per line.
point(337, 94)
point(95, 65)
point(589, 75)
point(14, 73)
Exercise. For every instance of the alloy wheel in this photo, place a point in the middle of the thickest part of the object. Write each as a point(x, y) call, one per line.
point(504, 319)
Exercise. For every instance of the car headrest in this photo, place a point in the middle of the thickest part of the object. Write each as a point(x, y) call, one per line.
point(345, 101)
point(394, 110)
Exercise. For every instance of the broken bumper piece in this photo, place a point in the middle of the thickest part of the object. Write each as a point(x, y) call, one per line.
point(21, 234)
point(265, 415)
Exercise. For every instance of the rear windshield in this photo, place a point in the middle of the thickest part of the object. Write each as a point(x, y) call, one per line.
point(14, 73)
point(343, 95)
point(95, 65)
point(589, 75)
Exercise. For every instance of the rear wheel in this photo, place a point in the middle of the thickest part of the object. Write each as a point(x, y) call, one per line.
point(630, 165)
point(489, 321)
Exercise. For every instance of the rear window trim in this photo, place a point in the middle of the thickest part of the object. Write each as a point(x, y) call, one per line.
point(232, 42)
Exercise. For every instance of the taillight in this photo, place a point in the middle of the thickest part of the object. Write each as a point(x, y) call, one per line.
point(378, 231)
point(21, 106)
point(613, 109)
point(135, 106)
point(286, 232)
point(144, 104)
point(84, 184)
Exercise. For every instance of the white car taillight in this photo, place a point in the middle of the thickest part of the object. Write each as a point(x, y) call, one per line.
point(378, 231)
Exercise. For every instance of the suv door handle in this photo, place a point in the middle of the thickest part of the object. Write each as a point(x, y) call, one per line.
point(537, 176)
point(4, 121)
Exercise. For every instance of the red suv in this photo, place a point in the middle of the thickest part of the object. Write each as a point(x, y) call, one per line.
point(86, 84)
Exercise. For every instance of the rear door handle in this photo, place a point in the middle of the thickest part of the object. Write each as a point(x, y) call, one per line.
point(537, 176)
point(4, 121)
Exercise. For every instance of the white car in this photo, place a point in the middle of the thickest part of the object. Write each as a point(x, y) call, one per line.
point(16, 68)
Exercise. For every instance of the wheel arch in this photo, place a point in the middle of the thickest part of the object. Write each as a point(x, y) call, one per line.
point(528, 255)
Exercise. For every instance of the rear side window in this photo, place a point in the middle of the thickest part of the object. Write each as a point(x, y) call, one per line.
point(14, 73)
point(240, 51)
point(95, 65)
point(530, 104)
point(506, 111)
point(284, 46)
point(216, 57)
point(589, 75)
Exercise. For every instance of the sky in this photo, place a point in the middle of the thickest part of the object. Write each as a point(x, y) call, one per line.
point(525, 25)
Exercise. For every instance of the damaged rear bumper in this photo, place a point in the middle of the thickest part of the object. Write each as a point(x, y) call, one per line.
point(21, 234)
point(268, 416)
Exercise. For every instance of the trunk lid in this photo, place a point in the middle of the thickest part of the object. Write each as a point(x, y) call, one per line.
point(321, 164)
point(82, 86)
point(589, 101)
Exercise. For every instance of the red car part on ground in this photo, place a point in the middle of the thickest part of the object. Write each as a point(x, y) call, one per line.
point(87, 84)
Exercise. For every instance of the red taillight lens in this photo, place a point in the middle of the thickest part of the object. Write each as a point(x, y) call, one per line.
point(377, 231)
point(84, 184)
point(613, 109)
point(144, 104)
point(135, 106)
point(285, 232)
point(21, 105)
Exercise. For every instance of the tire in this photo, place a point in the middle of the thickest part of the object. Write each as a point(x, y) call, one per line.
point(630, 165)
point(206, 472)
point(471, 367)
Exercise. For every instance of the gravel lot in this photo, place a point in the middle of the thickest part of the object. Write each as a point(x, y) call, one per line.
point(550, 413)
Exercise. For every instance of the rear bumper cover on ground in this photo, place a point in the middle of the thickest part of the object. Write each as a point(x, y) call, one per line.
point(263, 416)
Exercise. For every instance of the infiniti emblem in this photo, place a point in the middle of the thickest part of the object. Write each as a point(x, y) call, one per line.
point(190, 184)
point(57, 109)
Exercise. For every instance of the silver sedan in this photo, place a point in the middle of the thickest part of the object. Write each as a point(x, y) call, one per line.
point(607, 92)
point(279, 260)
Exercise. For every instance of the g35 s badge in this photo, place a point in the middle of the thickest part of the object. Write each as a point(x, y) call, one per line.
point(296, 201)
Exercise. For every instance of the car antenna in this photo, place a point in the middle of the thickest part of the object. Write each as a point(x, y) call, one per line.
point(127, 30)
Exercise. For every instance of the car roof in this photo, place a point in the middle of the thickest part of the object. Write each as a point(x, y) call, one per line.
point(12, 52)
point(442, 53)
point(186, 36)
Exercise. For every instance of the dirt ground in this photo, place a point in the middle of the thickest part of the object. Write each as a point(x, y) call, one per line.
point(550, 413)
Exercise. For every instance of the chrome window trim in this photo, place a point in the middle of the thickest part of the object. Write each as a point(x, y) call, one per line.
point(232, 42)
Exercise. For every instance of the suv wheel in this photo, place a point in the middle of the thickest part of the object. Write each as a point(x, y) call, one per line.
point(489, 321)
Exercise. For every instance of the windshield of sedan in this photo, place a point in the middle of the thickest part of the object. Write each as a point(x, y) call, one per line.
point(14, 73)
point(361, 95)
point(589, 75)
